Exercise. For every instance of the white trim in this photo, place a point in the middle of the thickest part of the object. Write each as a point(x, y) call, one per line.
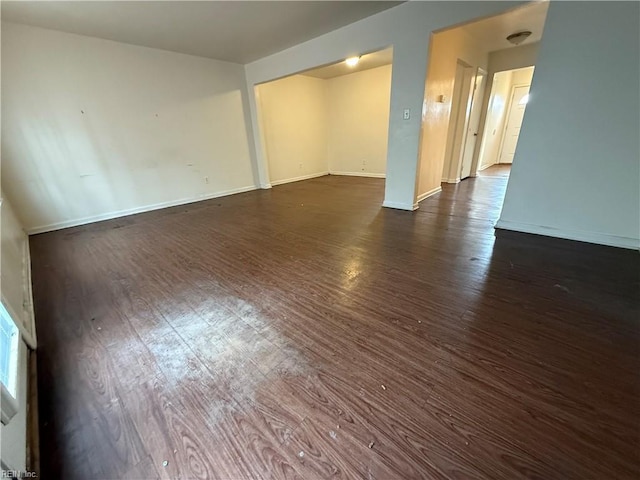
point(589, 237)
point(19, 321)
point(132, 211)
point(265, 186)
point(297, 179)
point(421, 197)
point(450, 180)
point(10, 402)
point(484, 167)
point(400, 206)
point(359, 174)
point(10, 405)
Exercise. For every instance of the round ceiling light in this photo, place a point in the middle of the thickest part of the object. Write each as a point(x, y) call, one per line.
point(518, 37)
point(352, 61)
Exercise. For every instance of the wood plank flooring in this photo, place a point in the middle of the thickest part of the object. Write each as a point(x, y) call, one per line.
point(305, 332)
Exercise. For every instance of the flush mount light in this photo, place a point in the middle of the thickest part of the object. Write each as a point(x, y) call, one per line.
point(518, 37)
point(352, 61)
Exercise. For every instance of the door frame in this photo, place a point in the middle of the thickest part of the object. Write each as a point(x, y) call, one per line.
point(473, 98)
point(455, 131)
point(506, 124)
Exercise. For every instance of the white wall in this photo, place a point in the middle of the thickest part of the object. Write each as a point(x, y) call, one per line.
point(513, 58)
point(158, 128)
point(294, 126)
point(406, 28)
point(576, 173)
point(437, 138)
point(359, 122)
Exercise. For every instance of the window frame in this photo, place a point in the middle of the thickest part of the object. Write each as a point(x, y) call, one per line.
point(9, 404)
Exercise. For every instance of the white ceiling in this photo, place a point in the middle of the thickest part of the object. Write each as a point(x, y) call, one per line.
point(368, 61)
point(492, 31)
point(235, 31)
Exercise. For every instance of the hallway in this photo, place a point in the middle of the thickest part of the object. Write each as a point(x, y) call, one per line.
point(480, 197)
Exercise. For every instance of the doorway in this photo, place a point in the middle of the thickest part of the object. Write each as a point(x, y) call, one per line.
point(506, 109)
point(462, 61)
point(330, 120)
point(472, 115)
point(466, 109)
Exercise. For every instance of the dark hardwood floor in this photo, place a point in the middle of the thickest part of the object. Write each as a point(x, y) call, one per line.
point(496, 170)
point(305, 332)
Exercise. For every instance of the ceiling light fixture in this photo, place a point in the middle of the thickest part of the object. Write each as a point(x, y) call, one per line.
point(518, 37)
point(352, 61)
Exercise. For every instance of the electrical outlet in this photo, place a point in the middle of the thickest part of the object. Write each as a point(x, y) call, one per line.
point(406, 114)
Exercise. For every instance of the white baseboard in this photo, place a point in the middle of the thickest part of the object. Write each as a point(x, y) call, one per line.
point(132, 211)
point(265, 186)
point(484, 167)
point(297, 179)
point(589, 237)
point(359, 174)
point(451, 180)
point(429, 193)
point(400, 206)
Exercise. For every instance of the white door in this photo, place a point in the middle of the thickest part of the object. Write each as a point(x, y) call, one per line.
point(514, 122)
point(471, 134)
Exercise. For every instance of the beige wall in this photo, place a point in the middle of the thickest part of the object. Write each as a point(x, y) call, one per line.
point(359, 122)
point(445, 49)
point(294, 127)
point(94, 129)
point(311, 126)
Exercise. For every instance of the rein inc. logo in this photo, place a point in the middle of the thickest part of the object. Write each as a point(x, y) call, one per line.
point(17, 474)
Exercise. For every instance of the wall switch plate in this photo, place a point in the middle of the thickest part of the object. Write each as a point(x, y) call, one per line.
point(406, 114)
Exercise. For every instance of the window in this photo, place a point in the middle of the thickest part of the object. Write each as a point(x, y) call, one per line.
point(9, 342)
